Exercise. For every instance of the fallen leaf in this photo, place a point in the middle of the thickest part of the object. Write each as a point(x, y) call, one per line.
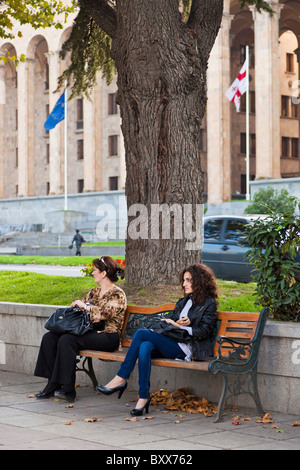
point(182, 400)
point(296, 423)
point(148, 417)
point(177, 422)
point(246, 419)
point(131, 419)
point(92, 420)
point(265, 419)
point(70, 405)
point(274, 426)
point(69, 422)
point(31, 395)
point(236, 423)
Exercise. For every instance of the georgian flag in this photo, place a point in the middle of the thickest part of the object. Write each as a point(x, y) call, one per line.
point(239, 87)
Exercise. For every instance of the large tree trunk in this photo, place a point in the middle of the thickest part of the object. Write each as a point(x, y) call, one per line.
point(161, 63)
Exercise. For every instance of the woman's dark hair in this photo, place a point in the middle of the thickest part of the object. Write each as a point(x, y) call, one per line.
point(203, 282)
point(108, 264)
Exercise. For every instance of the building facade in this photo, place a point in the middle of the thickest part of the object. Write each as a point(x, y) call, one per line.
point(32, 160)
point(274, 110)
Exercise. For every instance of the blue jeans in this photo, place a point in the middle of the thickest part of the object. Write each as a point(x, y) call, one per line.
point(145, 345)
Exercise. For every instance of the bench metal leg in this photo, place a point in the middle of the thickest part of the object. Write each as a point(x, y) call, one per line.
point(89, 370)
point(254, 393)
point(222, 400)
point(238, 385)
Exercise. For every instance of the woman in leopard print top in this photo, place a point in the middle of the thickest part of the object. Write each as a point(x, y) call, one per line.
point(106, 305)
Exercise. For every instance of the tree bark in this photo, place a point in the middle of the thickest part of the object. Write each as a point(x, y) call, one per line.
point(162, 63)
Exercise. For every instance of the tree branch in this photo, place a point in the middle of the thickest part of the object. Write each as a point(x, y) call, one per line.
point(205, 21)
point(103, 14)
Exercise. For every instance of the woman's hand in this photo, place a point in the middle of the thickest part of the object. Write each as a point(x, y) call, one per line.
point(174, 323)
point(78, 303)
point(185, 321)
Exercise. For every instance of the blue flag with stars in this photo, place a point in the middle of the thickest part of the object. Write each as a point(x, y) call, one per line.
point(57, 114)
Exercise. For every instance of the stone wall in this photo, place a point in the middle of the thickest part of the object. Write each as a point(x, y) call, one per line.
point(103, 212)
point(22, 327)
point(292, 185)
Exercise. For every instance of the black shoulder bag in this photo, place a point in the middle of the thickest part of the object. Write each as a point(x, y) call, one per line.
point(162, 327)
point(69, 320)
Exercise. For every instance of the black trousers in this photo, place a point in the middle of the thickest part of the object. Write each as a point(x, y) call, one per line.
point(57, 355)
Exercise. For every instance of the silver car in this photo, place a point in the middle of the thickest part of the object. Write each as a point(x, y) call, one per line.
point(222, 250)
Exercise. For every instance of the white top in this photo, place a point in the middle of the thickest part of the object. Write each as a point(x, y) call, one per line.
point(186, 348)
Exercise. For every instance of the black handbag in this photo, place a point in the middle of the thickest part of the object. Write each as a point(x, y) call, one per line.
point(179, 335)
point(69, 320)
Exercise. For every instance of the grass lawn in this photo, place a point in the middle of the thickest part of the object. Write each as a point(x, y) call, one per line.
point(26, 287)
point(49, 260)
point(32, 288)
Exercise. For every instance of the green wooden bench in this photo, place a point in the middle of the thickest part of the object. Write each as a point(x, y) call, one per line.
point(235, 352)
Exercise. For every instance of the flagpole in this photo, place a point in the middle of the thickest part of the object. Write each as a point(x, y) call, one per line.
point(66, 147)
point(247, 131)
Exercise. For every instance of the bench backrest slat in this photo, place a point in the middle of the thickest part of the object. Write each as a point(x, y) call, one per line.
point(235, 325)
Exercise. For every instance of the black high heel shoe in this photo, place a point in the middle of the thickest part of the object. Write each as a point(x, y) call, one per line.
point(48, 391)
point(139, 411)
point(108, 391)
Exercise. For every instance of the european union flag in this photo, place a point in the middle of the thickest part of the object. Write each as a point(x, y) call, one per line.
point(57, 115)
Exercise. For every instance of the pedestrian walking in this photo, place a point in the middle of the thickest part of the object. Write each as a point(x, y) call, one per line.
point(79, 240)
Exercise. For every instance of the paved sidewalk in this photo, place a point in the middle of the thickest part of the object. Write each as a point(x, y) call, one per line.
point(28, 423)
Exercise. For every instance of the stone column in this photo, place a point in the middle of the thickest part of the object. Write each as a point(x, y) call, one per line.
point(267, 92)
point(218, 117)
point(88, 142)
point(31, 157)
point(296, 95)
point(22, 130)
point(2, 120)
point(56, 150)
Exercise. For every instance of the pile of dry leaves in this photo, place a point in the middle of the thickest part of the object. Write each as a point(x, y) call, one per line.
point(182, 400)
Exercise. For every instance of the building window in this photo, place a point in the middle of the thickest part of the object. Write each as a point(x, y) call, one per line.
point(46, 76)
point(47, 153)
point(294, 110)
point(79, 120)
point(17, 157)
point(252, 144)
point(112, 145)
point(290, 63)
point(251, 56)
point(244, 183)
point(285, 147)
point(80, 184)
point(80, 149)
point(285, 106)
point(295, 147)
point(47, 114)
point(113, 183)
point(47, 188)
point(251, 102)
point(112, 105)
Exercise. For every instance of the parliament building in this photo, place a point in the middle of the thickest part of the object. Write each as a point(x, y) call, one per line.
point(32, 159)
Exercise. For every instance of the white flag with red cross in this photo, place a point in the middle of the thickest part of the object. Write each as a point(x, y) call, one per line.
point(239, 87)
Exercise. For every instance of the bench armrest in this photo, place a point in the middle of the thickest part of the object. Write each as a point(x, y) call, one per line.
point(240, 350)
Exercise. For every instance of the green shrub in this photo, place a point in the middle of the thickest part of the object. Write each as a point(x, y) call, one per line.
point(268, 201)
point(275, 251)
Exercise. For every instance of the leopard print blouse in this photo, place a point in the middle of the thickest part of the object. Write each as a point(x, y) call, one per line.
point(110, 308)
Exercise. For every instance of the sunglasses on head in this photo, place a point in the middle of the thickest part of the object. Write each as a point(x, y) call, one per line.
point(101, 259)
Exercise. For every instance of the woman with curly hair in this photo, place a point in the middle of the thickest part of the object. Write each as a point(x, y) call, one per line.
point(196, 313)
